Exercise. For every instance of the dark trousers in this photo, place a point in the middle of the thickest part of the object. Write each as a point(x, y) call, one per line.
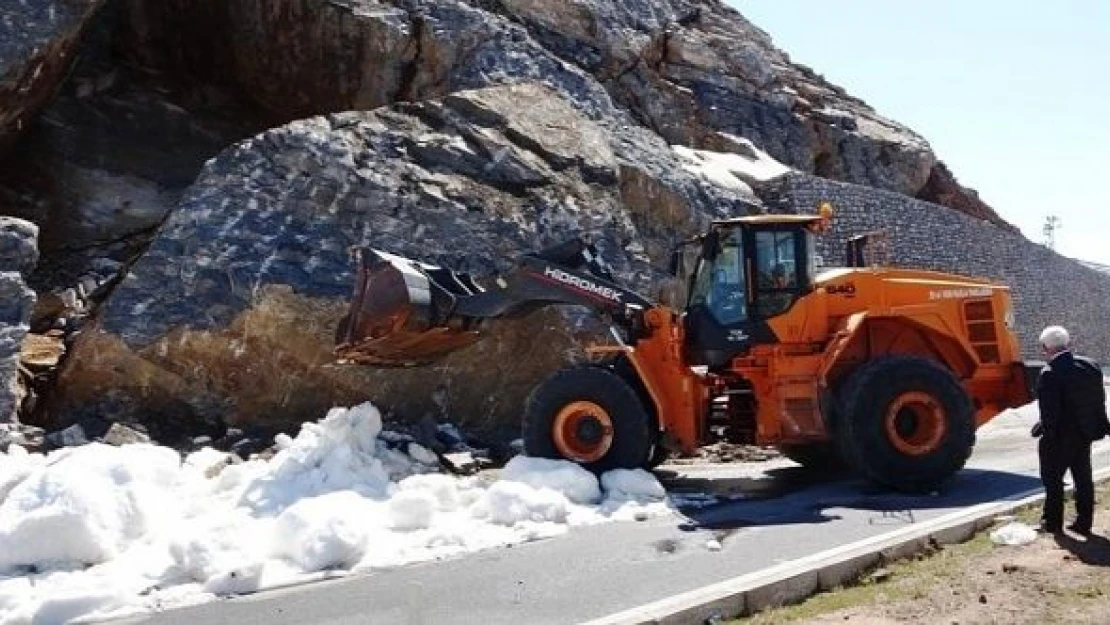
point(1058, 455)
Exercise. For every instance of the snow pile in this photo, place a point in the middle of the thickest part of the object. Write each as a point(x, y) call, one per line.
point(578, 484)
point(1014, 534)
point(107, 531)
point(91, 501)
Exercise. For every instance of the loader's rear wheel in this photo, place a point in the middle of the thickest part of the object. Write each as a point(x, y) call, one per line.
point(588, 415)
point(909, 424)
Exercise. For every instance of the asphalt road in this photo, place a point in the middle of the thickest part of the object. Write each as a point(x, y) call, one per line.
point(596, 571)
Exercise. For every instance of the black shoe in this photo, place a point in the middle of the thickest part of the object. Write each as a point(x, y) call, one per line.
point(1078, 529)
point(1045, 528)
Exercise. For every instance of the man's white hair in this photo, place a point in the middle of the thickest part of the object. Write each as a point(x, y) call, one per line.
point(1055, 337)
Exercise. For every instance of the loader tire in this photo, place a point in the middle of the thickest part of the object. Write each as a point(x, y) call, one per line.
point(908, 423)
point(591, 416)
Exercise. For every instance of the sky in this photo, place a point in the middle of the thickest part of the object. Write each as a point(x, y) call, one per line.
point(1014, 95)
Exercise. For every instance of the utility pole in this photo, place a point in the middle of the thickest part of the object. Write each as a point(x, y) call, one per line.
point(1051, 224)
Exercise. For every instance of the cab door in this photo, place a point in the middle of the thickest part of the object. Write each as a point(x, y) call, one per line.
point(781, 269)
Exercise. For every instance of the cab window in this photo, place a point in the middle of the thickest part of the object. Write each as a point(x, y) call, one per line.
point(777, 272)
point(720, 285)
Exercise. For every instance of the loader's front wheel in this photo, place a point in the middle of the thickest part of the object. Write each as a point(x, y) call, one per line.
point(588, 415)
point(909, 423)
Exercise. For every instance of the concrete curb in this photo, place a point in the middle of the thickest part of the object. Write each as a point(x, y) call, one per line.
point(793, 581)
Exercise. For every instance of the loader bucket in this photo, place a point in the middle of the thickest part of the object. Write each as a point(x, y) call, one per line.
point(401, 313)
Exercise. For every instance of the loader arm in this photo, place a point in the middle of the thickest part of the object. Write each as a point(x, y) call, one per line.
point(407, 313)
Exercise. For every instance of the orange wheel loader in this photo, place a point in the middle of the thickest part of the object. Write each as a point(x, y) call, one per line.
point(886, 371)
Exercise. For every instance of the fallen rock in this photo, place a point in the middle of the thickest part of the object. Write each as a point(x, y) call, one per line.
point(119, 434)
point(421, 454)
point(200, 442)
point(72, 436)
point(231, 313)
point(724, 452)
point(18, 245)
point(427, 435)
point(462, 463)
point(880, 575)
point(247, 447)
point(37, 44)
point(449, 435)
point(28, 437)
point(42, 352)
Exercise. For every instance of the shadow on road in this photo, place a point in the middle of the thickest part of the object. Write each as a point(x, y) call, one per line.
point(793, 495)
point(1095, 550)
point(766, 485)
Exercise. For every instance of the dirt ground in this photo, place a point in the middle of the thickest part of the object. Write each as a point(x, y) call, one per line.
point(1062, 579)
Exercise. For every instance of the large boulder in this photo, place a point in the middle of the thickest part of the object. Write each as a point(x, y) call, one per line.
point(37, 44)
point(18, 255)
point(231, 313)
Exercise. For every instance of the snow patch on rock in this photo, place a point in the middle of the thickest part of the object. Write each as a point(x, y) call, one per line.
point(732, 170)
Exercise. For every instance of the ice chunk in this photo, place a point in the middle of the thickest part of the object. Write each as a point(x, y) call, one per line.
point(1014, 534)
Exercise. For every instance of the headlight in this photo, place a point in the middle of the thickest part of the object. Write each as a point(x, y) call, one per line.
point(1010, 321)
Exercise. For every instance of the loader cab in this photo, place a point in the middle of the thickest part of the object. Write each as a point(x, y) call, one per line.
point(749, 270)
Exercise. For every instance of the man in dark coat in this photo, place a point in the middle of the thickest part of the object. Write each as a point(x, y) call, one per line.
point(1072, 401)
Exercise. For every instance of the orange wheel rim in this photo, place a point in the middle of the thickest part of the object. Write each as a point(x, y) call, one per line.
point(915, 423)
point(583, 431)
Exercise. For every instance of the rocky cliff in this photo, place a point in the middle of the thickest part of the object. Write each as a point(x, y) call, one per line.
point(200, 176)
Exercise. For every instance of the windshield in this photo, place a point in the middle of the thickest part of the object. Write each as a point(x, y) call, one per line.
point(720, 285)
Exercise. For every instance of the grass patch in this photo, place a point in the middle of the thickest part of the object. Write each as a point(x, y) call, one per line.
point(917, 576)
